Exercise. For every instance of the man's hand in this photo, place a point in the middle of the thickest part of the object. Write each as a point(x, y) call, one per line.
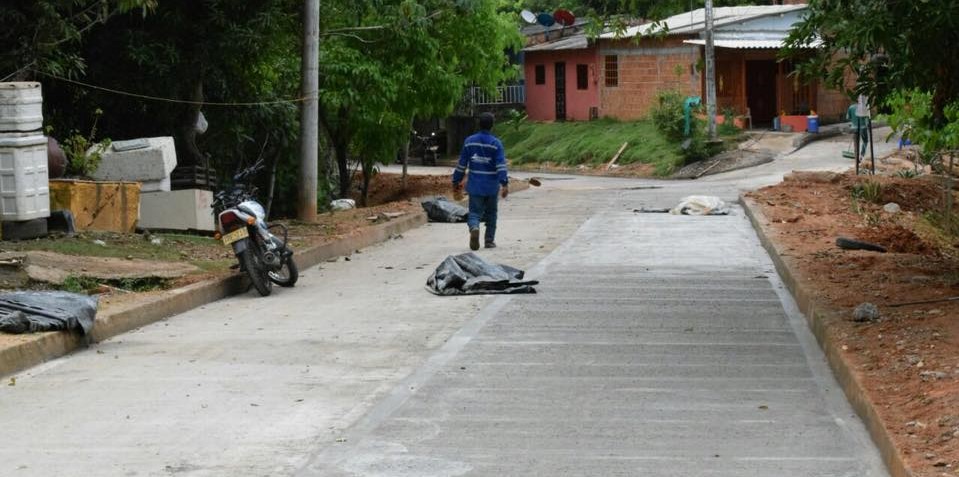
point(457, 191)
point(504, 191)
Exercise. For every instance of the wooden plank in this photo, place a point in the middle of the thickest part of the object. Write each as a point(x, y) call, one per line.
point(616, 157)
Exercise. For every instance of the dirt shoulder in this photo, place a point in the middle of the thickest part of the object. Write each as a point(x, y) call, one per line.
point(907, 361)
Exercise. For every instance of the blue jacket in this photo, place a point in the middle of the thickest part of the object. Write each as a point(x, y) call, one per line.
point(485, 158)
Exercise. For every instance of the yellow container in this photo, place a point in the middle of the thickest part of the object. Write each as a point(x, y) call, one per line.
point(106, 206)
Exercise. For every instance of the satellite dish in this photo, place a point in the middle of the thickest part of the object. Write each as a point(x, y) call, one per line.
point(528, 16)
point(564, 17)
point(545, 19)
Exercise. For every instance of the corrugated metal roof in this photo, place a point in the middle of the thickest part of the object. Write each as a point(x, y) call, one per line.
point(747, 44)
point(695, 21)
point(576, 42)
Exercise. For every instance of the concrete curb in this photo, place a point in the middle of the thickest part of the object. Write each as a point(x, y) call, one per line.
point(809, 138)
point(817, 315)
point(38, 348)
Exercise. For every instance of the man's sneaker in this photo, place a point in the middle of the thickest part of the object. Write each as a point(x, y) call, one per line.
point(490, 244)
point(474, 239)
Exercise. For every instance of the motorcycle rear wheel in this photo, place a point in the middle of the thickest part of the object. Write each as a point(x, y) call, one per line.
point(256, 271)
point(289, 278)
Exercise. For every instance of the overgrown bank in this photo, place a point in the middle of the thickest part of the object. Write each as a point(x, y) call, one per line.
point(668, 139)
point(590, 143)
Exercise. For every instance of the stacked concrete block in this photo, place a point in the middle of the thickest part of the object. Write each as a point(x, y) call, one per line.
point(150, 162)
point(24, 184)
point(21, 107)
point(189, 209)
point(24, 188)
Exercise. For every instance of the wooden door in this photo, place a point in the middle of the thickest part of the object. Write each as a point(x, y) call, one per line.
point(761, 90)
point(561, 91)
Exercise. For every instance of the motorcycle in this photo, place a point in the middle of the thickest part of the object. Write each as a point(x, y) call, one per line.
point(430, 149)
point(424, 147)
point(241, 224)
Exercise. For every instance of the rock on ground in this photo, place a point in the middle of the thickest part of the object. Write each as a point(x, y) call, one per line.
point(865, 312)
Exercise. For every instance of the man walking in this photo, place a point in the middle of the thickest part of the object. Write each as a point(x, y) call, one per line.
point(485, 158)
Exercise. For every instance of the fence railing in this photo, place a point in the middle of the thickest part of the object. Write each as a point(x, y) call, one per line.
point(512, 94)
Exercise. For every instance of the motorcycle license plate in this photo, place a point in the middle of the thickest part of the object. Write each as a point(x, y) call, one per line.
point(238, 234)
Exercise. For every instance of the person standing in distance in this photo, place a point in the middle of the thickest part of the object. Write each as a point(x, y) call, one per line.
point(483, 155)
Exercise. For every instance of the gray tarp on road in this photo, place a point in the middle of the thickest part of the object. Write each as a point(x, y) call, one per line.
point(469, 274)
point(439, 209)
point(34, 311)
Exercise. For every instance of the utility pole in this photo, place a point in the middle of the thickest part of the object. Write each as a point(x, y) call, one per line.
point(309, 112)
point(710, 72)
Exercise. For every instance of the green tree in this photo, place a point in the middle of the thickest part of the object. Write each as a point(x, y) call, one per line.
point(221, 51)
point(886, 46)
point(184, 51)
point(384, 63)
point(44, 35)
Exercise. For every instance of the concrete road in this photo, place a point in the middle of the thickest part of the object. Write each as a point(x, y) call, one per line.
point(658, 345)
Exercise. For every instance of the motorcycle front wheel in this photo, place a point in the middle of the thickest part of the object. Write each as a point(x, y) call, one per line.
point(287, 275)
point(256, 270)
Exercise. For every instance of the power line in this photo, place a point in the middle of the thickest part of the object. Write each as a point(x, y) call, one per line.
point(177, 101)
point(11, 75)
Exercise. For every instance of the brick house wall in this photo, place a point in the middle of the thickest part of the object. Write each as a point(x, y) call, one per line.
point(642, 71)
point(541, 98)
point(647, 68)
point(833, 103)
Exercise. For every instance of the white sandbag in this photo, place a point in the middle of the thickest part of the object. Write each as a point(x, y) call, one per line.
point(343, 204)
point(701, 205)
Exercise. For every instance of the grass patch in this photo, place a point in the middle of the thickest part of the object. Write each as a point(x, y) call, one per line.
point(79, 284)
point(206, 254)
point(869, 191)
point(215, 265)
point(940, 231)
point(590, 142)
point(84, 284)
point(122, 246)
point(947, 225)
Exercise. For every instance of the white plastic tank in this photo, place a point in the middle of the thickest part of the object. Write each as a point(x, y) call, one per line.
point(21, 107)
point(24, 179)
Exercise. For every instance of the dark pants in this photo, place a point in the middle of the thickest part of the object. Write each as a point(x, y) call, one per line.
point(483, 208)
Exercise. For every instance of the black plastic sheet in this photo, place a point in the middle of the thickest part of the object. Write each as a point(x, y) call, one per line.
point(35, 311)
point(439, 209)
point(469, 274)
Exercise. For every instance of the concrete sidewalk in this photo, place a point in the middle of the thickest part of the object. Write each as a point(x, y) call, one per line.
point(658, 346)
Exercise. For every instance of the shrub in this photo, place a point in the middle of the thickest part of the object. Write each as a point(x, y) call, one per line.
point(668, 115)
point(907, 173)
point(870, 191)
point(670, 120)
point(515, 118)
point(911, 116)
point(83, 152)
point(727, 129)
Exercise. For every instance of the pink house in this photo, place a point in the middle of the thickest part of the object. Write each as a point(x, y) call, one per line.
point(562, 80)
